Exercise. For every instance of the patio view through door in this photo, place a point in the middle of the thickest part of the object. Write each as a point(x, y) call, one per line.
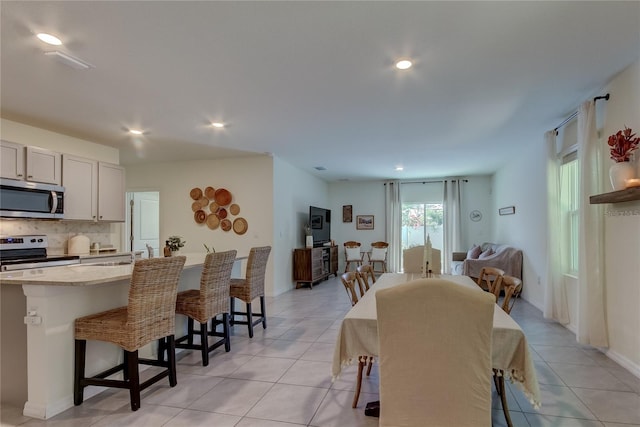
point(420, 220)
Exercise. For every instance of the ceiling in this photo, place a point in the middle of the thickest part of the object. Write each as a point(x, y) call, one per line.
point(313, 83)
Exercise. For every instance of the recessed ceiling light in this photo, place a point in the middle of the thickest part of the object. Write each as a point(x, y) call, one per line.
point(49, 39)
point(135, 132)
point(218, 125)
point(399, 168)
point(404, 64)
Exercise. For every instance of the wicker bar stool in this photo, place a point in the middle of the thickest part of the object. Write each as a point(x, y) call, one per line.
point(251, 287)
point(207, 303)
point(149, 316)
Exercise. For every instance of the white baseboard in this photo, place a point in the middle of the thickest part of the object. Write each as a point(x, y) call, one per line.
point(624, 362)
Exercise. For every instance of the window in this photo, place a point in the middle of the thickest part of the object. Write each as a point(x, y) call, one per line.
point(420, 219)
point(569, 203)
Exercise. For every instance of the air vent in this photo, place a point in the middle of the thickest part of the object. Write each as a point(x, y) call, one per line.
point(320, 168)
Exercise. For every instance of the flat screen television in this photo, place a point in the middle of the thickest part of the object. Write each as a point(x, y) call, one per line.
point(320, 221)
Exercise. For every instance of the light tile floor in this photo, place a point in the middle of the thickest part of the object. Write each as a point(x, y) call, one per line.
point(281, 378)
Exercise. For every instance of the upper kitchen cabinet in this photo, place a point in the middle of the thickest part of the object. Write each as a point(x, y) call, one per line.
point(93, 190)
point(111, 198)
point(80, 180)
point(11, 160)
point(44, 166)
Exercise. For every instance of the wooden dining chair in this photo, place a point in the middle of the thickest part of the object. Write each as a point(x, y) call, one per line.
point(349, 281)
point(490, 279)
point(512, 288)
point(378, 255)
point(352, 254)
point(366, 277)
point(416, 321)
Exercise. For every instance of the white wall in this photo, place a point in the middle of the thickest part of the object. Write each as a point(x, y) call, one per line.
point(522, 182)
point(59, 232)
point(477, 194)
point(622, 230)
point(250, 181)
point(293, 192)
point(366, 198)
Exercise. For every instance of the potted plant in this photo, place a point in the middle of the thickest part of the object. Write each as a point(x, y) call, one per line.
point(174, 243)
point(622, 144)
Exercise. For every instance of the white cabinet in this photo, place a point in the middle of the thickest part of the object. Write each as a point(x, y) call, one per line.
point(111, 203)
point(11, 160)
point(44, 166)
point(93, 190)
point(80, 180)
point(41, 165)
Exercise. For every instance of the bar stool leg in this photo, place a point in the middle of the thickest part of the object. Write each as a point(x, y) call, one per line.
point(264, 312)
point(131, 361)
point(189, 331)
point(171, 360)
point(232, 309)
point(204, 343)
point(250, 320)
point(78, 388)
point(225, 329)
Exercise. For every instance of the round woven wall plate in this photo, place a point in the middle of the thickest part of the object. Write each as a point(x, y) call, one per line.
point(213, 221)
point(234, 209)
point(240, 226)
point(225, 224)
point(223, 197)
point(195, 193)
point(210, 193)
point(199, 216)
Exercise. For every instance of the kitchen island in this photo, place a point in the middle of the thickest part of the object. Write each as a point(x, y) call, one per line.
point(44, 303)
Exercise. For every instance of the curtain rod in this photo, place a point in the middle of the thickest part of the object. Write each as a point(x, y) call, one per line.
point(427, 181)
point(575, 113)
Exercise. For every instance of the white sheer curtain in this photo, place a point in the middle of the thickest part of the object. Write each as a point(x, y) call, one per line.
point(555, 296)
point(452, 222)
point(393, 208)
point(591, 321)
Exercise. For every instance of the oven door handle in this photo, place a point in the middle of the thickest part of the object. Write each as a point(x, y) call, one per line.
point(53, 202)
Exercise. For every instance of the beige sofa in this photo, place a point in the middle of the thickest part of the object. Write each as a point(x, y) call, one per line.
point(505, 257)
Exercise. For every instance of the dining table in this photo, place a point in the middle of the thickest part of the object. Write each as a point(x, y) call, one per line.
point(511, 358)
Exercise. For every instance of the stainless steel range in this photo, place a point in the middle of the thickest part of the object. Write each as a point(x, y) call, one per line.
point(30, 251)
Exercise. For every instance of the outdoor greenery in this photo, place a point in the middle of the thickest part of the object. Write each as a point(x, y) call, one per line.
point(413, 215)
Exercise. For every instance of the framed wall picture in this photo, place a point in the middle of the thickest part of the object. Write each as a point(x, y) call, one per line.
point(507, 210)
point(347, 213)
point(364, 222)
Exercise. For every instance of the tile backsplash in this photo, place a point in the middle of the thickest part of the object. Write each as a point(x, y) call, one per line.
point(59, 232)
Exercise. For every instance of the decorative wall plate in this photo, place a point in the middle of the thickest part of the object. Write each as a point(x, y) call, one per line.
point(475, 216)
point(225, 224)
point(210, 193)
point(234, 209)
point(195, 193)
point(200, 216)
point(240, 226)
point(213, 221)
point(223, 197)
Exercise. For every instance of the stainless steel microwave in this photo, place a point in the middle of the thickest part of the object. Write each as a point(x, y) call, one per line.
point(25, 199)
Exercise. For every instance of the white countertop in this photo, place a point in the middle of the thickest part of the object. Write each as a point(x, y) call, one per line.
point(82, 274)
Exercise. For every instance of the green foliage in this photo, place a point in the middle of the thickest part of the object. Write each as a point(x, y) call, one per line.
point(413, 215)
point(175, 242)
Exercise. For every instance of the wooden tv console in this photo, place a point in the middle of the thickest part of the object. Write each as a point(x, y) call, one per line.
point(310, 265)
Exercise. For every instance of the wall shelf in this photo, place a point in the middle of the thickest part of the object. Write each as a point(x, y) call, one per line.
point(626, 195)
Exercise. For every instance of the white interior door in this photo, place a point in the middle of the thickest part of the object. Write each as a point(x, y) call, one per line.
point(144, 221)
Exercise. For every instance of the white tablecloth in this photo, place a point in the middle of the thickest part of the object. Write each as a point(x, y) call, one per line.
point(358, 336)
